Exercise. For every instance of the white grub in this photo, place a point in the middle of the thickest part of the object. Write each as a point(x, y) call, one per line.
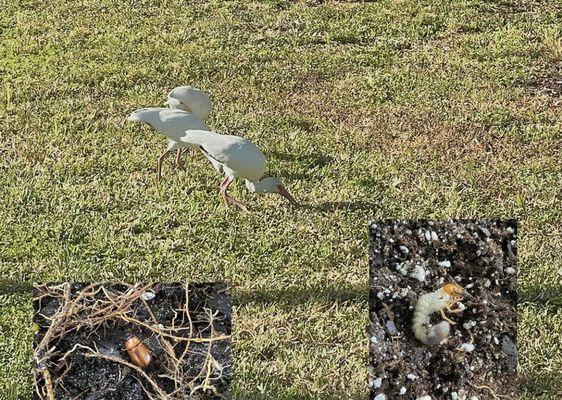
point(377, 383)
point(468, 347)
point(444, 263)
point(404, 250)
point(411, 377)
point(468, 325)
point(419, 273)
point(380, 396)
point(426, 397)
point(510, 270)
point(403, 390)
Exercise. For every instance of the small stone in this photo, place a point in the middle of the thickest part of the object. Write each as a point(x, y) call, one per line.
point(444, 263)
point(469, 324)
point(404, 249)
point(403, 390)
point(392, 328)
point(411, 377)
point(510, 350)
point(510, 270)
point(148, 295)
point(468, 347)
point(454, 396)
point(377, 383)
point(426, 397)
point(381, 396)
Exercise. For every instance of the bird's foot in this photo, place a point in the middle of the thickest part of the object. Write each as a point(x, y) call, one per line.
point(229, 200)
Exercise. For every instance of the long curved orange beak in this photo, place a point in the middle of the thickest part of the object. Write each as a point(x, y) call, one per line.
point(283, 192)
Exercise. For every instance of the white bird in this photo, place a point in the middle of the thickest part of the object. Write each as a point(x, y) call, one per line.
point(190, 99)
point(171, 122)
point(236, 157)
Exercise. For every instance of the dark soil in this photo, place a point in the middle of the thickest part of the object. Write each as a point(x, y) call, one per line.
point(80, 377)
point(482, 257)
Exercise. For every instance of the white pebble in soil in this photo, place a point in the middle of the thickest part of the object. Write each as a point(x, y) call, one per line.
point(426, 397)
point(381, 396)
point(444, 263)
point(419, 273)
point(404, 250)
point(403, 390)
point(469, 324)
point(468, 347)
point(411, 377)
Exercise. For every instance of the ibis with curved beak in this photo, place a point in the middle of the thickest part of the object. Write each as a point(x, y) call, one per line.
point(236, 157)
point(172, 123)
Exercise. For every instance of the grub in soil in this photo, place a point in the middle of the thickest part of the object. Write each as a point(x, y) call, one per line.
point(477, 358)
point(80, 352)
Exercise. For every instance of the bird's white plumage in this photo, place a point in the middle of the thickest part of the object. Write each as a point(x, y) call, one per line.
point(171, 122)
point(190, 99)
point(236, 156)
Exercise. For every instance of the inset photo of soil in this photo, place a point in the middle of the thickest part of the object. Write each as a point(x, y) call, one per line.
point(443, 318)
point(97, 341)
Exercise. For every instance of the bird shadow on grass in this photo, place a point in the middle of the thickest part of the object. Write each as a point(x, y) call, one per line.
point(538, 384)
point(310, 160)
point(294, 296)
point(550, 297)
point(332, 206)
point(8, 286)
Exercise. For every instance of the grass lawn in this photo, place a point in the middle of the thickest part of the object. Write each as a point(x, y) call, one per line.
point(390, 109)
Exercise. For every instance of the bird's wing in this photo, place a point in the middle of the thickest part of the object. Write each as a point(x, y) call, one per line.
point(234, 152)
point(173, 123)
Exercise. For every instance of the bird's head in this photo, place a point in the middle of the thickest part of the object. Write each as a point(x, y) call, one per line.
point(143, 115)
point(190, 99)
point(271, 185)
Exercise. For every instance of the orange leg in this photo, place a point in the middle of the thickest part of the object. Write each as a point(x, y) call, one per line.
point(159, 165)
point(226, 198)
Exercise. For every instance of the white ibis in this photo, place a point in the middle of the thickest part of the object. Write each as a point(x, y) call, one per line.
point(236, 158)
point(190, 99)
point(172, 123)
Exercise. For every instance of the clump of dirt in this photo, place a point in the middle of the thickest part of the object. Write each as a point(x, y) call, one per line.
point(479, 356)
point(80, 351)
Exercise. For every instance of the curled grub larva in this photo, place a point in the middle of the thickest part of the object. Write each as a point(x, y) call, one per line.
point(138, 351)
point(442, 299)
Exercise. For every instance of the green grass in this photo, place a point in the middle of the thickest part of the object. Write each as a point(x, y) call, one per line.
point(391, 109)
